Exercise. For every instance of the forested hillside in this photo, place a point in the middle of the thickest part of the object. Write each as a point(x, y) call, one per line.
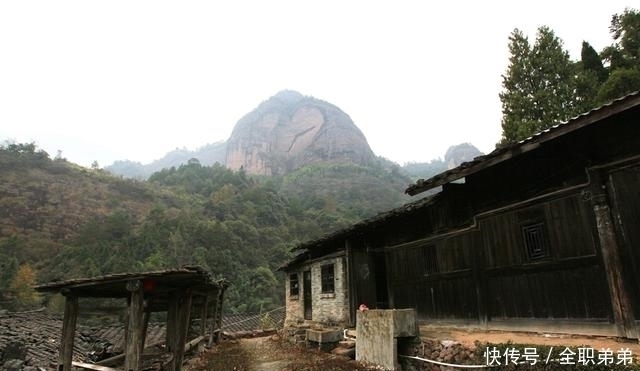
point(58, 221)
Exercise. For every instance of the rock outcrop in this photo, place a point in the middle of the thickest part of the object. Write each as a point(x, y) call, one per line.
point(290, 130)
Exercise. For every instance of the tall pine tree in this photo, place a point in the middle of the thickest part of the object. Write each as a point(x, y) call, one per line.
point(539, 85)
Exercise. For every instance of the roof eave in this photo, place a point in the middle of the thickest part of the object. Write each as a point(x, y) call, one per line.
point(502, 154)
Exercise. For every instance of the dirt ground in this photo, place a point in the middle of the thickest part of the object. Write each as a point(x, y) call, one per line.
point(270, 354)
point(470, 337)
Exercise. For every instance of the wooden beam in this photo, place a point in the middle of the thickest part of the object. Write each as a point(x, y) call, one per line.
point(68, 332)
point(204, 309)
point(171, 320)
point(133, 346)
point(214, 310)
point(182, 326)
point(111, 361)
point(621, 304)
point(219, 315)
point(350, 278)
point(143, 330)
point(91, 366)
point(193, 343)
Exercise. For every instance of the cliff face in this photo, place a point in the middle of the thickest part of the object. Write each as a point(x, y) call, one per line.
point(290, 130)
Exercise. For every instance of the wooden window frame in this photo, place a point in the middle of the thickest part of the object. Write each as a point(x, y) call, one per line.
point(294, 285)
point(327, 278)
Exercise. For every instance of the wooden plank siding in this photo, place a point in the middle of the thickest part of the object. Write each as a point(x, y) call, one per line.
point(487, 272)
point(624, 192)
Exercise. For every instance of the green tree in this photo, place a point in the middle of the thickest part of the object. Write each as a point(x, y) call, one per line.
point(591, 61)
point(22, 287)
point(623, 57)
point(538, 87)
point(8, 269)
point(621, 82)
point(625, 29)
point(590, 74)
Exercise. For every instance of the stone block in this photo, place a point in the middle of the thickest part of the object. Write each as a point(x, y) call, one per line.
point(324, 336)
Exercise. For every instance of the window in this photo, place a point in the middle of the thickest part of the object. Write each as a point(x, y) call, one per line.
point(327, 278)
point(294, 286)
point(536, 241)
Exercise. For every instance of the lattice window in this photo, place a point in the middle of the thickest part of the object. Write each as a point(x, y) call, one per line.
point(536, 241)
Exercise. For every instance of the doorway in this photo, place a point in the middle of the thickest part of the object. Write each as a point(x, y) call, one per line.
point(306, 294)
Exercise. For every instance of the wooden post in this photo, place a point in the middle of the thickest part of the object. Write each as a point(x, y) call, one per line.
point(350, 278)
point(181, 328)
point(143, 330)
point(171, 320)
point(219, 314)
point(203, 315)
point(133, 342)
point(623, 313)
point(68, 331)
point(214, 318)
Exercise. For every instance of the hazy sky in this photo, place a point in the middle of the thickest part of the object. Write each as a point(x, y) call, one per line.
point(109, 80)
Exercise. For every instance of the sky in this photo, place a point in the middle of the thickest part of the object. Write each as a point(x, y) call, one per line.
point(113, 80)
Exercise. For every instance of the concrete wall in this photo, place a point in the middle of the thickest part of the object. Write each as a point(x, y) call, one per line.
point(327, 308)
point(378, 332)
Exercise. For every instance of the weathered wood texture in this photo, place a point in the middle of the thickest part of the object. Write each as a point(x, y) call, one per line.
point(68, 332)
point(624, 192)
point(135, 334)
point(487, 272)
point(183, 313)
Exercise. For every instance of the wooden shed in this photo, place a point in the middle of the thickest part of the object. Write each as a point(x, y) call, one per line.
point(184, 293)
point(542, 235)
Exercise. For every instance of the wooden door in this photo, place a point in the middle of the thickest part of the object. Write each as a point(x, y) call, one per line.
point(306, 294)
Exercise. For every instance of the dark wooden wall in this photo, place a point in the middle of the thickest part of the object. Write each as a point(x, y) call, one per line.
point(624, 192)
point(487, 272)
point(516, 240)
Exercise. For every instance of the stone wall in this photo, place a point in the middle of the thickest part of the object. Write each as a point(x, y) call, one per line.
point(327, 308)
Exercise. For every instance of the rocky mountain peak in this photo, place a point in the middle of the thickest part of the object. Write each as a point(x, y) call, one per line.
point(290, 130)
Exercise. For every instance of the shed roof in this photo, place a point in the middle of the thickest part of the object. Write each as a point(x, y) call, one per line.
point(159, 283)
point(505, 153)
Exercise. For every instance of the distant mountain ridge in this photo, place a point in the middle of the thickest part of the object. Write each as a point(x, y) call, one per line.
point(286, 132)
point(208, 155)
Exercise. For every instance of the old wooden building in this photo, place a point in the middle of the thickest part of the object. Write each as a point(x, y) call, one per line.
point(541, 235)
point(184, 293)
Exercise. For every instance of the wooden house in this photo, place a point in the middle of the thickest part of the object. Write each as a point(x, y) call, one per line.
point(542, 235)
